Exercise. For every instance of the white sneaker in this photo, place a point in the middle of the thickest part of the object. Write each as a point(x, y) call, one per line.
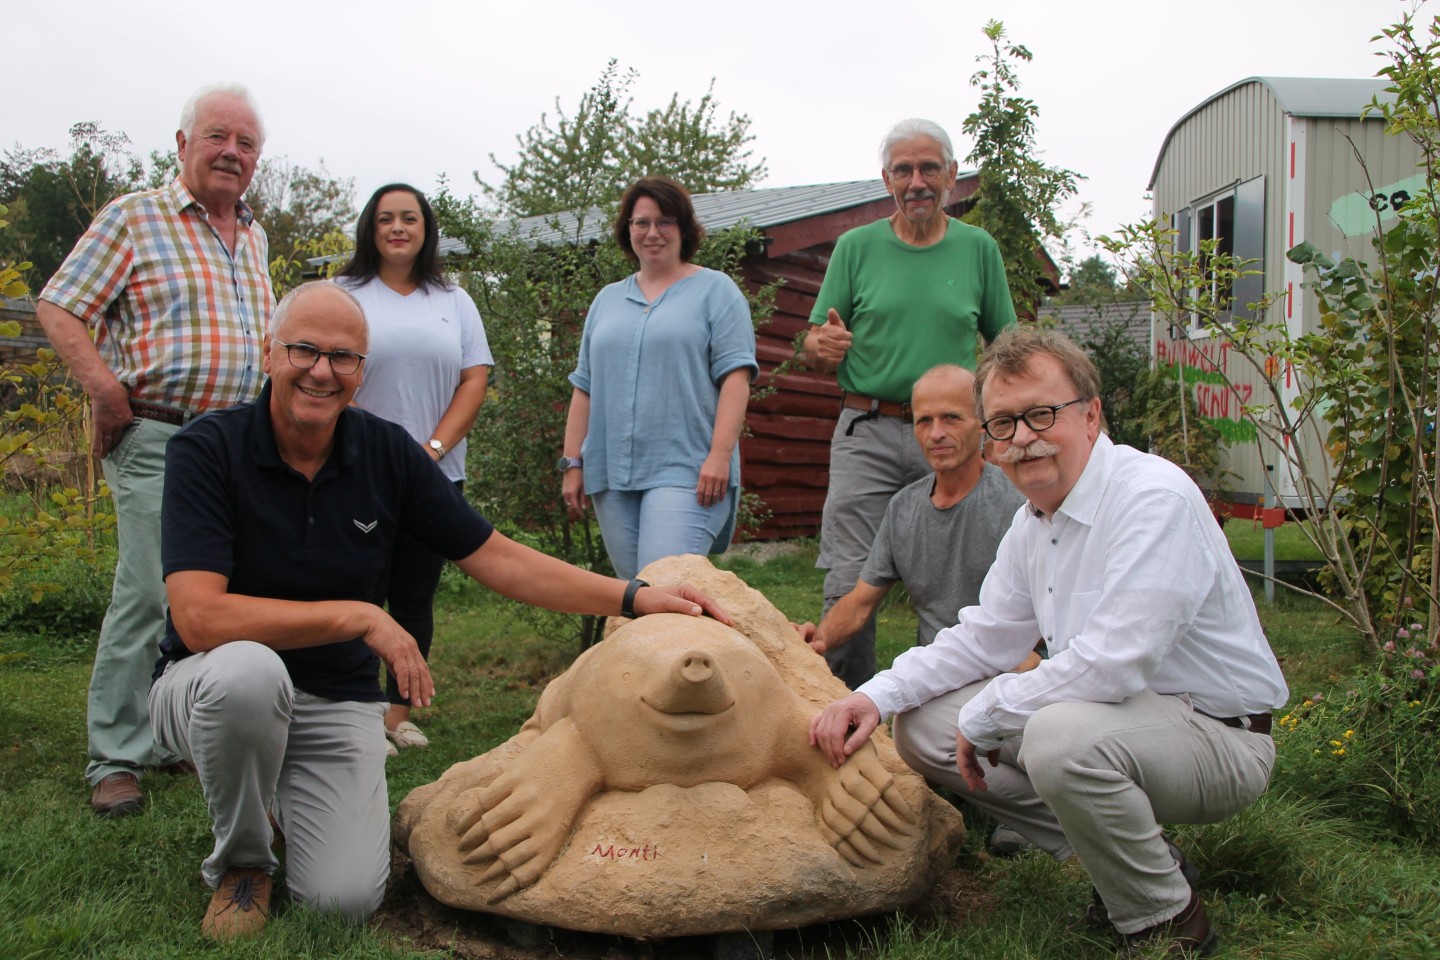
point(407, 735)
point(390, 750)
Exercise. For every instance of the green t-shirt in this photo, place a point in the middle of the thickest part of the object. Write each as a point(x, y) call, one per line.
point(911, 308)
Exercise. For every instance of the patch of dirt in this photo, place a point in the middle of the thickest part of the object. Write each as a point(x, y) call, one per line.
point(411, 915)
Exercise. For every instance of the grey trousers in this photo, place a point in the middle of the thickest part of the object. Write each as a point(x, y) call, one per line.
point(1097, 780)
point(261, 746)
point(867, 468)
point(117, 718)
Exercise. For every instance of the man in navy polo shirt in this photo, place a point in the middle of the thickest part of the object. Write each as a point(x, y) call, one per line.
point(277, 524)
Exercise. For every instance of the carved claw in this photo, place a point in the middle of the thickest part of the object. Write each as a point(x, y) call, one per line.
point(863, 808)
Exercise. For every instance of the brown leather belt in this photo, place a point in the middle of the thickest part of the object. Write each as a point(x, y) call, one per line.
point(1255, 722)
point(886, 408)
point(163, 413)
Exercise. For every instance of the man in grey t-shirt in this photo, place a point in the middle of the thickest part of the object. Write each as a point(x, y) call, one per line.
point(940, 533)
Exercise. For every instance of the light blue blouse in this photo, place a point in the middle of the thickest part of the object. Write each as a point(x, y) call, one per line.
point(653, 373)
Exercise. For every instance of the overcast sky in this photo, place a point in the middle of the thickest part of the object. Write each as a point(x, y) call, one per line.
point(384, 90)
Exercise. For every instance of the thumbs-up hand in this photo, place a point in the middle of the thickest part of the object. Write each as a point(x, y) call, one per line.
point(833, 339)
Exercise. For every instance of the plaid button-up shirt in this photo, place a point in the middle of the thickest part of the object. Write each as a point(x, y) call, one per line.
point(181, 320)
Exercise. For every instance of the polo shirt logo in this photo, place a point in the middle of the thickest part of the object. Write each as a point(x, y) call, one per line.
point(366, 527)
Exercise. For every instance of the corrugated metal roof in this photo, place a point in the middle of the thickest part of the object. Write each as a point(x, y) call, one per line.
point(761, 208)
point(1298, 97)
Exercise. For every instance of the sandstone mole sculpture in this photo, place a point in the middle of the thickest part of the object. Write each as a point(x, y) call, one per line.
point(665, 787)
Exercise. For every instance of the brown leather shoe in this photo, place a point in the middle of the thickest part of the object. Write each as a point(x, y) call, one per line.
point(240, 905)
point(117, 795)
point(1188, 933)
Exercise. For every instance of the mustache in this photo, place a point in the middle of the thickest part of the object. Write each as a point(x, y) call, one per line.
point(921, 194)
point(1037, 449)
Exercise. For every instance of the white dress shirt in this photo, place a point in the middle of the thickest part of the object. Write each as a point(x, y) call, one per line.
point(1131, 584)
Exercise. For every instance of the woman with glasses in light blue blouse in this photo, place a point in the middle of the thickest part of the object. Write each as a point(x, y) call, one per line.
point(661, 386)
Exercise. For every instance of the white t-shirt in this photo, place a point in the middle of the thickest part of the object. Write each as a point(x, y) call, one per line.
point(419, 344)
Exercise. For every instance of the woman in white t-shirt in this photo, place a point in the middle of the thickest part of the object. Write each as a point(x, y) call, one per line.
point(426, 369)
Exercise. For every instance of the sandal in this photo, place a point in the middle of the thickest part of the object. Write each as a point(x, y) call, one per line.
point(407, 735)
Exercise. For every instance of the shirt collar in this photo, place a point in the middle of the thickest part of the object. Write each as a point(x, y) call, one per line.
point(1083, 501)
point(180, 198)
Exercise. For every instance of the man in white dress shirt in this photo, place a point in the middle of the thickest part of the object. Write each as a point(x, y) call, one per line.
point(1154, 705)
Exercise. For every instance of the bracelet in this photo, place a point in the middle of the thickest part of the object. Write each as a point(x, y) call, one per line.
point(627, 602)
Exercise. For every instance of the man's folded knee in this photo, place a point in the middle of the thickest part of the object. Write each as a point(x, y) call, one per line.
point(354, 899)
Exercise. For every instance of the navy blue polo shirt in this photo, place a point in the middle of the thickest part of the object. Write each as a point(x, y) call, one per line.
point(233, 507)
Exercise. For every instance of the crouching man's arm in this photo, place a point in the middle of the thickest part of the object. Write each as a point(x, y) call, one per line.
point(536, 578)
point(206, 615)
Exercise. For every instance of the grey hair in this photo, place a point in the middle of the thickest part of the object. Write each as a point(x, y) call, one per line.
point(282, 310)
point(909, 130)
point(229, 88)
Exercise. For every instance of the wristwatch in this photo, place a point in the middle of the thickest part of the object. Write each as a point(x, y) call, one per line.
point(568, 463)
point(438, 447)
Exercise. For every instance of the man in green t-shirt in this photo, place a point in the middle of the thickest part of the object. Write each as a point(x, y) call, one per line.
point(900, 295)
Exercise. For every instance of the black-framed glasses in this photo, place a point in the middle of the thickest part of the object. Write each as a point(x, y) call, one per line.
point(306, 355)
point(663, 224)
point(929, 170)
point(1038, 419)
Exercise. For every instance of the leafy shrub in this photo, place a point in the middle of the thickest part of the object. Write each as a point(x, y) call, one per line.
point(1375, 749)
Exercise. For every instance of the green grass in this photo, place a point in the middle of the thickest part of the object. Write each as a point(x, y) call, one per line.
point(1247, 541)
point(1285, 880)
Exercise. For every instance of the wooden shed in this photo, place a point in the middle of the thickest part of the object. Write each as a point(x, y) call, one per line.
point(785, 456)
point(1262, 166)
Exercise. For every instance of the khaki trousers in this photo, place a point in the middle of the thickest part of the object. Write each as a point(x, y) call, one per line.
point(261, 746)
point(1097, 779)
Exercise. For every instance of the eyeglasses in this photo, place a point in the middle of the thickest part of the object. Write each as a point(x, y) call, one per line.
point(305, 355)
point(929, 170)
point(643, 224)
point(1038, 419)
point(244, 144)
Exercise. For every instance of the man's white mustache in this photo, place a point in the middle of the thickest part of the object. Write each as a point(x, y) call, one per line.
point(1037, 449)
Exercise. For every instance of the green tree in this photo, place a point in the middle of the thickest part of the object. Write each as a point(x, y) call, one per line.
point(1093, 281)
point(53, 199)
point(1019, 196)
point(586, 159)
point(301, 208)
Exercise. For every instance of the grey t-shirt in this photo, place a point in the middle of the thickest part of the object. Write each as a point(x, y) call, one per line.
point(942, 556)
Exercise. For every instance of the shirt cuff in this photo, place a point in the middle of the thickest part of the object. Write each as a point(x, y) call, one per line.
point(975, 721)
point(884, 693)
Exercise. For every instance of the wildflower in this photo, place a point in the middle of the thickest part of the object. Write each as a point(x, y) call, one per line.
point(1403, 634)
point(1339, 753)
point(1389, 646)
point(1417, 674)
point(1414, 654)
point(1414, 703)
point(1349, 734)
point(1336, 743)
point(1417, 627)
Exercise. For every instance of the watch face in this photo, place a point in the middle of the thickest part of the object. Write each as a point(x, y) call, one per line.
point(566, 463)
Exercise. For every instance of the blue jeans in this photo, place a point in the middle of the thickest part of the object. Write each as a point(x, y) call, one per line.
point(641, 526)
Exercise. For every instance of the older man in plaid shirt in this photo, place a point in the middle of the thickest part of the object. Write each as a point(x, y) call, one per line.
point(175, 285)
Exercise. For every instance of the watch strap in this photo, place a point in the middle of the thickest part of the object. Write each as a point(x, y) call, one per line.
point(627, 602)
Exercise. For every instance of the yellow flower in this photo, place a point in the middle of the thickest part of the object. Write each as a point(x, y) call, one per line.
point(1349, 734)
point(1336, 743)
point(1339, 753)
